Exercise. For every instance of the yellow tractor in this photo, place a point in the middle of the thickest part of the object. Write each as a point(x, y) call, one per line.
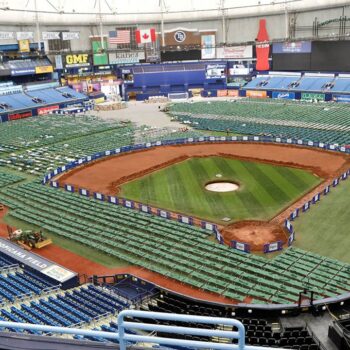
point(29, 239)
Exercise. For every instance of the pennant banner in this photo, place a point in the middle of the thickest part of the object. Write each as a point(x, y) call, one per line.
point(70, 35)
point(50, 35)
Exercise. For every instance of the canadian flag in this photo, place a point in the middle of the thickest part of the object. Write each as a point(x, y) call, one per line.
point(144, 36)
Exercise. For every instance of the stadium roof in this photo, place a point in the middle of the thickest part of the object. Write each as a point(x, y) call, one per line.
point(146, 11)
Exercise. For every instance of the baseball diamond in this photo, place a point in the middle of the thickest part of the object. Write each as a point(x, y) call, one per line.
point(175, 175)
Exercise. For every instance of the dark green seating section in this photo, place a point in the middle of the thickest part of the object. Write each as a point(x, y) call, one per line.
point(9, 179)
point(176, 250)
point(320, 122)
point(39, 145)
point(42, 159)
point(49, 129)
point(145, 133)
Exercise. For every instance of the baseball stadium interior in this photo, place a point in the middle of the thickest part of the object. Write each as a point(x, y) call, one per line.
point(175, 174)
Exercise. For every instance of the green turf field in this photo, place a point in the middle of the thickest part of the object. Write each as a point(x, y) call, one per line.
point(324, 229)
point(264, 189)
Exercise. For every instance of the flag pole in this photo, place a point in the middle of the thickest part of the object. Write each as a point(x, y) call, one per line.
point(101, 25)
point(37, 26)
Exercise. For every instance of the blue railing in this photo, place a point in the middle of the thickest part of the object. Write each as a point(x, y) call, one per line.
point(123, 326)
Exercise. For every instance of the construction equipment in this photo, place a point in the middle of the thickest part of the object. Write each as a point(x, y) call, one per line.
point(29, 239)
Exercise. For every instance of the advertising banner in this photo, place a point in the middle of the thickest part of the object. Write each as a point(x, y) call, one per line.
point(24, 35)
point(256, 93)
point(262, 47)
point(36, 262)
point(7, 35)
point(153, 57)
point(46, 110)
point(100, 56)
point(295, 214)
point(306, 206)
point(215, 71)
point(112, 199)
point(50, 35)
point(68, 188)
point(222, 93)
point(23, 45)
point(126, 57)
point(312, 96)
point(292, 47)
point(273, 247)
point(239, 69)
point(316, 198)
point(291, 238)
point(283, 95)
point(185, 36)
point(54, 184)
point(77, 60)
point(232, 93)
point(70, 35)
point(235, 52)
point(43, 69)
point(208, 46)
point(84, 192)
point(22, 115)
point(99, 196)
point(243, 247)
point(341, 98)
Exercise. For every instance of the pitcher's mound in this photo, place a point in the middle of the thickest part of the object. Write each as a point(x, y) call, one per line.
point(255, 233)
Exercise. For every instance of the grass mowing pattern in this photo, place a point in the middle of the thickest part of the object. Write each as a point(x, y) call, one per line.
point(325, 228)
point(264, 189)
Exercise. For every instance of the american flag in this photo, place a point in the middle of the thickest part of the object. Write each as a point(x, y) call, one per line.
point(119, 37)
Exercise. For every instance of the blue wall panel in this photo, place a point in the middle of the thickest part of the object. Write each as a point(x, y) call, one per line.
point(169, 78)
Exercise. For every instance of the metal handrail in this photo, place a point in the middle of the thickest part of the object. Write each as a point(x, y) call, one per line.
point(124, 325)
point(123, 337)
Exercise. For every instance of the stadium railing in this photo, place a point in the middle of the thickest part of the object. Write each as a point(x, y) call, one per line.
point(123, 337)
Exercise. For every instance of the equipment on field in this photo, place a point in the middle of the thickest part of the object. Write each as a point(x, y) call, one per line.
point(29, 239)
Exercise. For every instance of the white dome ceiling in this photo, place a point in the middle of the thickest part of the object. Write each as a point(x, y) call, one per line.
point(147, 11)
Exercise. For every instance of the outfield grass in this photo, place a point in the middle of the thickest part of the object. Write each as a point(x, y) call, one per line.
point(324, 229)
point(264, 189)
